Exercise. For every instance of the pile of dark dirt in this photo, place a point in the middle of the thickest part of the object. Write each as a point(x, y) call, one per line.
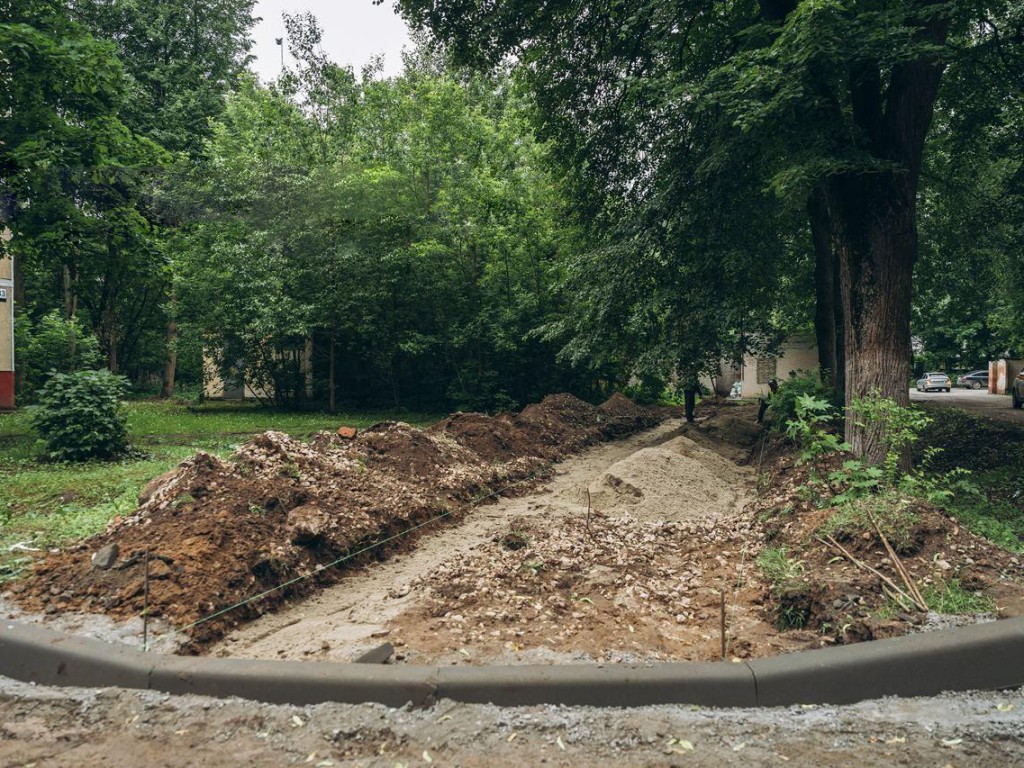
point(281, 510)
point(493, 439)
point(561, 424)
point(625, 416)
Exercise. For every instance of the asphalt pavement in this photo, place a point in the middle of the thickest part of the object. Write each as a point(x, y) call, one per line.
point(976, 401)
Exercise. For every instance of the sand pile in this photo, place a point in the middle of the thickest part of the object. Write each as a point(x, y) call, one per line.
point(218, 531)
point(678, 480)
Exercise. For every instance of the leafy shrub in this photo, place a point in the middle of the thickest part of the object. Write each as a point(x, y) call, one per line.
point(78, 416)
point(805, 384)
point(53, 343)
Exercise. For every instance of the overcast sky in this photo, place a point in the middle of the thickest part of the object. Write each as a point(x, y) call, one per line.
point(354, 30)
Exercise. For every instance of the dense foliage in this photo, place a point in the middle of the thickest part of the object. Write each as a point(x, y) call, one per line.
point(613, 195)
point(724, 135)
point(53, 344)
point(79, 416)
point(408, 228)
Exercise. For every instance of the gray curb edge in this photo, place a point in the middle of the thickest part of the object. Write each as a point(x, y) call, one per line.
point(981, 657)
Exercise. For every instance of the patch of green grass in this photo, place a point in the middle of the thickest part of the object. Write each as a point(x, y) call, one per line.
point(778, 567)
point(997, 511)
point(792, 609)
point(951, 597)
point(47, 504)
point(853, 519)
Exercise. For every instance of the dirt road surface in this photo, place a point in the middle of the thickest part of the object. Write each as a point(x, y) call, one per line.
point(978, 402)
point(74, 727)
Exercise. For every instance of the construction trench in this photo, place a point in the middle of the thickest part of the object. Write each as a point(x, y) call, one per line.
point(484, 562)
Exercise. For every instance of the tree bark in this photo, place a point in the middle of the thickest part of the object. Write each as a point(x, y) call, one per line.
point(70, 299)
point(330, 377)
point(876, 238)
point(170, 361)
point(873, 220)
point(828, 314)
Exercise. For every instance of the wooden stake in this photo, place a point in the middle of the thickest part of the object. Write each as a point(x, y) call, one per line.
point(897, 563)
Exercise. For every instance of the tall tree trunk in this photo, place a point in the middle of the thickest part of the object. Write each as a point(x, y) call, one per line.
point(330, 377)
point(70, 299)
point(70, 305)
point(108, 320)
point(875, 235)
point(873, 219)
point(828, 301)
point(171, 359)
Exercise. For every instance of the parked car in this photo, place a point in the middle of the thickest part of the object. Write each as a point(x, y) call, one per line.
point(974, 380)
point(1017, 390)
point(932, 381)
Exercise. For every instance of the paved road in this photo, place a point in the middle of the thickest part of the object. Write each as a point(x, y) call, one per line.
point(980, 402)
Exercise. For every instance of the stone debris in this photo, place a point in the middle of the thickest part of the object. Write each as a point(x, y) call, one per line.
point(105, 556)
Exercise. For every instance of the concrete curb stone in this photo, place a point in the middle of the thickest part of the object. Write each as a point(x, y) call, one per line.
point(981, 657)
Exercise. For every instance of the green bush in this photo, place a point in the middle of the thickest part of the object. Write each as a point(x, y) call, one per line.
point(78, 416)
point(783, 408)
point(53, 344)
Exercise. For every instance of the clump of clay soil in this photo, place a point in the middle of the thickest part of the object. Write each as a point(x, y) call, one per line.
point(280, 514)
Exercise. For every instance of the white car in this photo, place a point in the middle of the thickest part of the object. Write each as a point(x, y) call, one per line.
point(930, 381)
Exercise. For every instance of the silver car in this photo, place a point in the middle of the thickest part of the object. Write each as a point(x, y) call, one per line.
point(930, 381)
point(1017, 390)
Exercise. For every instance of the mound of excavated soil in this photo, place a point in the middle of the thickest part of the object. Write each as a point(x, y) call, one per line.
point(842, 601)
point(562, 424)
point(492, 439)
point(218, 532)
point(625, 416)
point(678, 480)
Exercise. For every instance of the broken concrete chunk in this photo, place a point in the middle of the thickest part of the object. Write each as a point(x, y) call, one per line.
point(105, 557)
point(379, 655)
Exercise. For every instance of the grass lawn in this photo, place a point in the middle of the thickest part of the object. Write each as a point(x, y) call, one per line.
point(994, 454)
point(44, 504)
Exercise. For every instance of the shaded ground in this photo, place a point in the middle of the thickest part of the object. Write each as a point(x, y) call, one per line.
point(125, 729)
